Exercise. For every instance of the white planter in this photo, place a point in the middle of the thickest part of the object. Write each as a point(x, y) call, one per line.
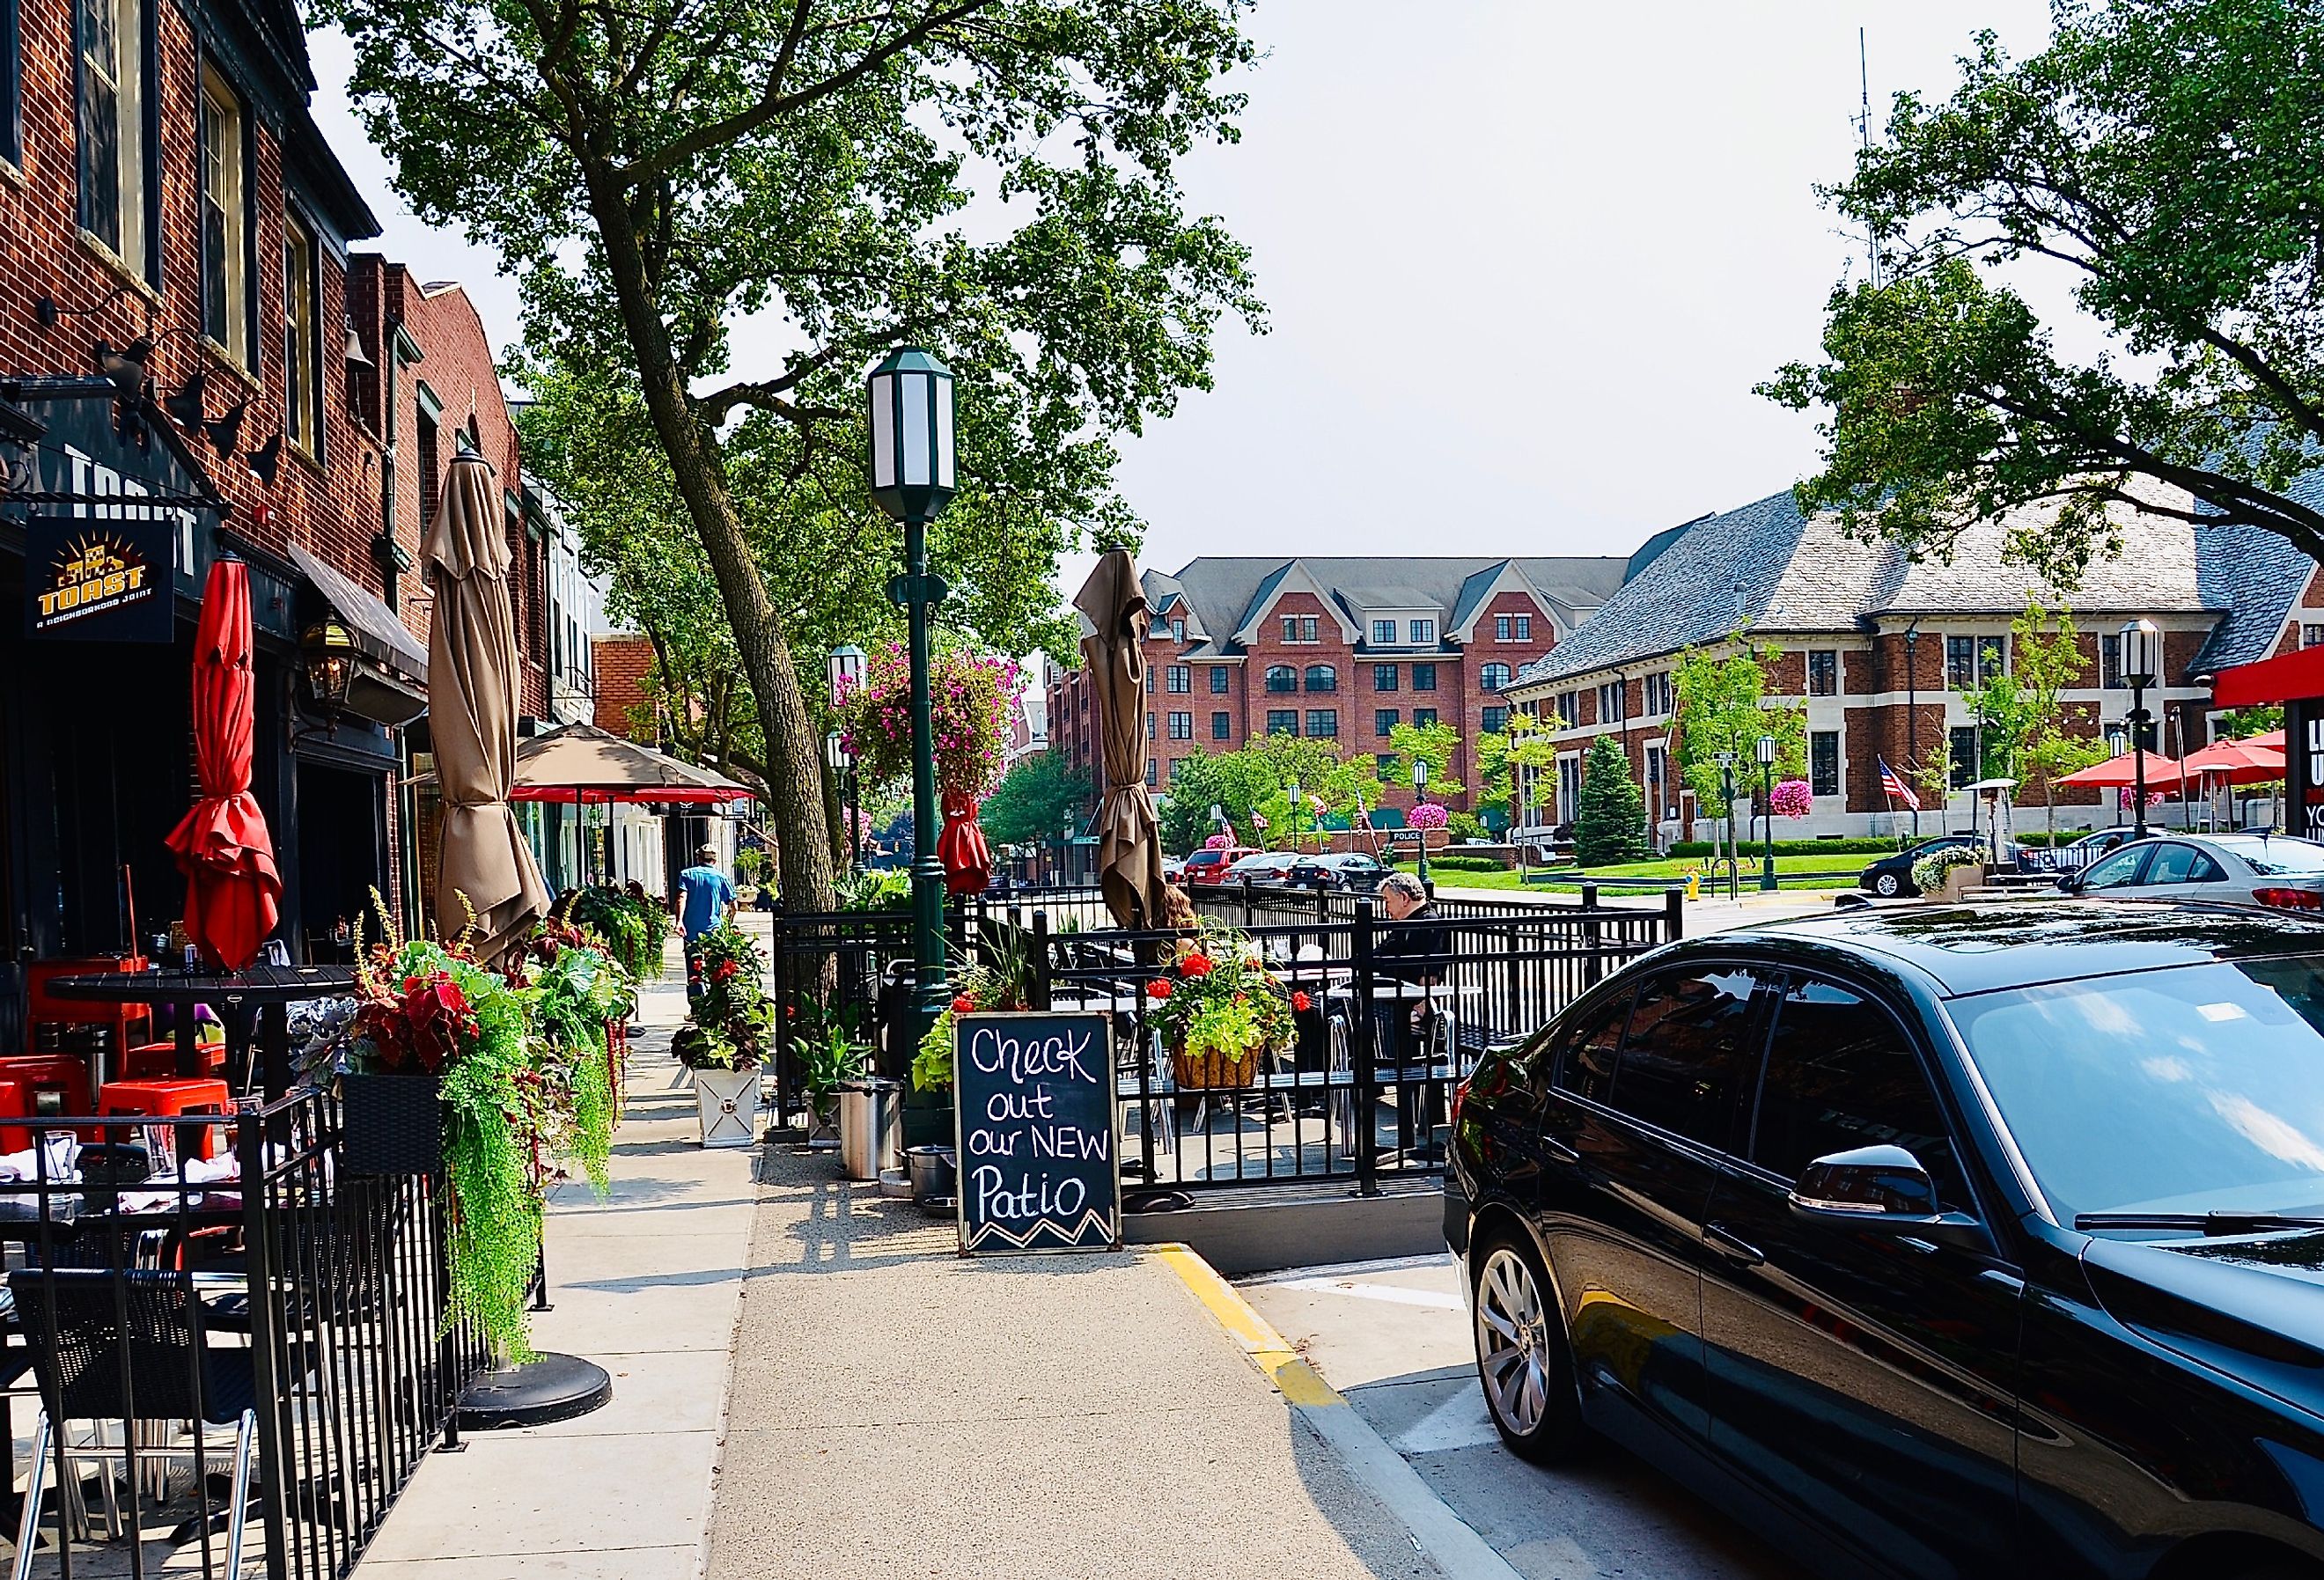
point(729, 1104)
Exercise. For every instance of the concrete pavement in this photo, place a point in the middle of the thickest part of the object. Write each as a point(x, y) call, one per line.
point(647, 1284)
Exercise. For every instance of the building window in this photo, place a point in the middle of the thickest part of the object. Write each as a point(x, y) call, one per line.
point(1823, 672)
point(1384, 633)
point(1612, 703)
point(1299, 628)
point(1421, 718)
point(224, 225)
point(1384, 722)
point(1179, 679)
point(11, 84)
point(431, 480)
point(112, 127)
point(1497, 719)
point(2310, 636)
point(1150, 724)
point(1512, 628)
point(2110, 659)
point(1222, 727)
point(1423, 630)
point(1493, 677)
point(1823, 763)
point(1423, 676)
point(1177, 767)
point(1569, 708)
point(1181, 726)
point(1218, 680)
point(1383, 677)
point(1657, 690)
point(1568, 786)
point(1282, 677)
point(1282, 721)
point(1962, 742)
point(1971, 661)
point(1523, 624)
point(1178, 634)
point(302, 367)
point(1322, 678)
point(1323, 722)
point(1657, 781)
point(1152, 777)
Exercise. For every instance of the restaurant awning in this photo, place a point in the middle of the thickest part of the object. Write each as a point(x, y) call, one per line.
point(2285, 678)
point(390, 682)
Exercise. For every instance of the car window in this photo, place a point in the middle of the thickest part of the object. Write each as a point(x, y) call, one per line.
point(1592, 1049)
point(2182, 864)
point(2271, 857)
point(1840, 1074)
point(1684, 1060)
point(2115, 871)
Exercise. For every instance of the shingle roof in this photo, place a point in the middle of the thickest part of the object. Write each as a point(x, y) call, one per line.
point(2258, 576)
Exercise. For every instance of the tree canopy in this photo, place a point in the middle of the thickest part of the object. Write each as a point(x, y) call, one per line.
point(2163, 154)
point(1723, 708)
point(1033, 799)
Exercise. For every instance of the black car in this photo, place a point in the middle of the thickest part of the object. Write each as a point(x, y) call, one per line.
point(1351, 871)
point(1978, 1241)
point(1891, 875)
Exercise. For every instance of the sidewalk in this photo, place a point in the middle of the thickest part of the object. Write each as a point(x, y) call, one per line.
point(898, 1410)
point(646, 1284)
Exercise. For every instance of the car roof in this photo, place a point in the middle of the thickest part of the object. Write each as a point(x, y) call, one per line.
point(1977, 948)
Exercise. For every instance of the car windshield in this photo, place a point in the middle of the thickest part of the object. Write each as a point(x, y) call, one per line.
point(2271, 857)
point(2191, 1089)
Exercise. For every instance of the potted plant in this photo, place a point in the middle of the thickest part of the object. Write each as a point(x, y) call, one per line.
point(725, 1039)
point(577, 994)
point(1950, 872)
point(826, 1060)
point(1218, 1009)
point(1002, 981)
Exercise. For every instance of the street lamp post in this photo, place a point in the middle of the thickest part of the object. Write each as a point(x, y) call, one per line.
point(1912, 710)
point(846, 672)
point(1726, 820)
point(1765, 752)
point(909, 397)
point(1419, 798)
point(1292, 811)
point(2142, 661)
point(836, 754)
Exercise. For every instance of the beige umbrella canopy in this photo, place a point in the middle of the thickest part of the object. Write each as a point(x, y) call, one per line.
point(581, 762)
point(472, 707)
point(1128, 842)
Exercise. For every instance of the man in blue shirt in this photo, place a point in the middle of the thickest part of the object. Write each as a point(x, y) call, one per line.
point(704, 900)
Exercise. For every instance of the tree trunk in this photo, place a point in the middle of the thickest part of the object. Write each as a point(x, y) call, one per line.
point(794, 762)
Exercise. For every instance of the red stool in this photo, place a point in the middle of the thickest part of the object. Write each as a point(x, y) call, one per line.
point(158, 1061)
point(14, 1138)
point(196, 1094)
point(52, 1083)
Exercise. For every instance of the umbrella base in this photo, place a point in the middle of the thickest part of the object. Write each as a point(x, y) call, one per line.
point(554, 1388)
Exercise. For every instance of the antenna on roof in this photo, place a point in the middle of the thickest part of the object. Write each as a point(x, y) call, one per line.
point(1864, 135)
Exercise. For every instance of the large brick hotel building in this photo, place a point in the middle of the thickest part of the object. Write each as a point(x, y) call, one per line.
point(1344, 649)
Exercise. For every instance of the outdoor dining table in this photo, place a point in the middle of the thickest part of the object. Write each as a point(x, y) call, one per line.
point(268, 989)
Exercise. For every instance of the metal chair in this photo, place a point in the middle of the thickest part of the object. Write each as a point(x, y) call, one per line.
point(122, 1346)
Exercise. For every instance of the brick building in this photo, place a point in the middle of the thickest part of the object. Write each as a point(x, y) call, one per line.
point(1344, 649)
point(194, 363)
point(1880, 649)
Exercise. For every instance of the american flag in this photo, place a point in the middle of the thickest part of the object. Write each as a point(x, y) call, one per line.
point(1896, 788)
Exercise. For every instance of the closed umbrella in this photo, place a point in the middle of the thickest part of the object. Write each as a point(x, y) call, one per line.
point(1128, 841)
point(233, 892)
point(483, 862)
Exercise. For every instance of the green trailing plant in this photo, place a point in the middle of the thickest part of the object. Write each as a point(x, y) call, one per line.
point(1219, 996)
point(1929, 872)
point(634, 930)
point(574, 994)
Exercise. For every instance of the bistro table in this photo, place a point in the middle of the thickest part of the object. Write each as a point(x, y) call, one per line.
point(268, 990)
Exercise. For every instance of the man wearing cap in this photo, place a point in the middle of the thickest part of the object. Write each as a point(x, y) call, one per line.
point(706, 901)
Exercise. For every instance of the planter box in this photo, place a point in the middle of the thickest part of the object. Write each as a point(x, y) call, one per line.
point(729, 1105)
point(393, 1124)
point(1960, 880)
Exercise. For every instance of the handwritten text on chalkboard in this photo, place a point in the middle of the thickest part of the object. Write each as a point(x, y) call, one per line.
point(1037, 1140)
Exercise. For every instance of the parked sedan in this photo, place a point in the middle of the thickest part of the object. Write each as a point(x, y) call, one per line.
point(1265, 868)
point(2240, 869)
point(1890, 876)
point(1975, 1241)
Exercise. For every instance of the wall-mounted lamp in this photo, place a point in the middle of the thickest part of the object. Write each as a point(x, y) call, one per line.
point(328, 654)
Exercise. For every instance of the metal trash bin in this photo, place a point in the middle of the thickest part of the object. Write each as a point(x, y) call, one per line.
point(871, 1127)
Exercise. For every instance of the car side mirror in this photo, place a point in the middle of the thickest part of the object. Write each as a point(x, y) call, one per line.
point(1870, 1182)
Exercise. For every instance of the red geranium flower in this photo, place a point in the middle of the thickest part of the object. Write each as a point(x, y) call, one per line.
point(726, 969)
point(1159, 988)
point(963, 1005)
point(1195, 965)
point(1300, 1001)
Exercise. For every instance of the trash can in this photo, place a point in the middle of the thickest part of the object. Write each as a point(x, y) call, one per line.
point(871, 1127)
point(934, 1174)
point(898, 1044)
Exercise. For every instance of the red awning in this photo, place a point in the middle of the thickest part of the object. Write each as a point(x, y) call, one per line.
point(2290, 676)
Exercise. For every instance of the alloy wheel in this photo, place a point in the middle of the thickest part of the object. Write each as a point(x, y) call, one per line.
point(1887, 885)
point(1513, 1343)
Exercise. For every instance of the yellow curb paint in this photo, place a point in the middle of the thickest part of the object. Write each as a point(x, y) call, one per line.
point(1292, 1378)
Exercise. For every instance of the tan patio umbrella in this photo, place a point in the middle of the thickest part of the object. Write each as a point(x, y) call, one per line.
point(472, 710)
point(1128, 842)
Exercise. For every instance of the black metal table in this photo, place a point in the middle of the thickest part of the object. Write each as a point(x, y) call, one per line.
point(267, 990)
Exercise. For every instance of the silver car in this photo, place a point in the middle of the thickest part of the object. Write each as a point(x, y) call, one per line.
point(2240, 869)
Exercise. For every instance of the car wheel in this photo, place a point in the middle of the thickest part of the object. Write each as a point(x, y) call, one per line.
point(1523, 1362)
point(1887, 885)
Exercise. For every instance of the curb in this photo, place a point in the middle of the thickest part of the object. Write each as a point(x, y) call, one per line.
point(1443, 1536)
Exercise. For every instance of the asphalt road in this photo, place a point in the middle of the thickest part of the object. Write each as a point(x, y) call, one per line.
point(1393, 1337)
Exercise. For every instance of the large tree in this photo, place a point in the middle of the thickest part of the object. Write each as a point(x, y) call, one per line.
point(1033, 799)
point(2162, 154)
point(660, 172)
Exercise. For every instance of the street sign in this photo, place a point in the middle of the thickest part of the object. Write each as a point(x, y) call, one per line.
point(1039, 1160)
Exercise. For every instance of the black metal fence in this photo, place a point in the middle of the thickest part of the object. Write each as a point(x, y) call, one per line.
point(244, 1340)
point(1395, 1013)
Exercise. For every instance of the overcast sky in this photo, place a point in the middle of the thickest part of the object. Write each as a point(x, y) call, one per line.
point(1523, 264)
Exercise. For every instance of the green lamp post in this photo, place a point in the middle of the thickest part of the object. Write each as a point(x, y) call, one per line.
point(910, 399)
point(1419, 798)
point(1765, 750)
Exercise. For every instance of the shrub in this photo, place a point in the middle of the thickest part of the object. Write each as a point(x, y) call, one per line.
point(1466, 863)
point(1610, 826)
point(1702, 847)
point(1464, 826)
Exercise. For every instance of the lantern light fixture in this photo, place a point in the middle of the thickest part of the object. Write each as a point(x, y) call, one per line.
point(911, 421)
point(846, 671)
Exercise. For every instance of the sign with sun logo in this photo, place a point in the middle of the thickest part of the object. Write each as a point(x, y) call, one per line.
point(98, 580)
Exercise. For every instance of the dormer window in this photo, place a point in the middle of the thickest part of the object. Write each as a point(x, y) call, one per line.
point(1423, 632)
point(1177, 631)
point(1384, 633)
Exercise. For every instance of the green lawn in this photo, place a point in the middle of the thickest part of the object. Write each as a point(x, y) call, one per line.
point(1790, 870)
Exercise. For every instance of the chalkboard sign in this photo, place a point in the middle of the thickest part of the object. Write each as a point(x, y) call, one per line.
point(1039, 1161)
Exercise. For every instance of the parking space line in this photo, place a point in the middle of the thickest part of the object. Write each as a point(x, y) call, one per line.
point(1390, 1293)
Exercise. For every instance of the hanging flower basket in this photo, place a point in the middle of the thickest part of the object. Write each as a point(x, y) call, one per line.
point(1218, 1008)
point(970, 696)
point(392, 1124)
point(1210, 1070)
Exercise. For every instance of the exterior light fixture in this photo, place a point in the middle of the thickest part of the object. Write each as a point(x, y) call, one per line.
point(2140, 651)
point(328, 654)
point(846, 671)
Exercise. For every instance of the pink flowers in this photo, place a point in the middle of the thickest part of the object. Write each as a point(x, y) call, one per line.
point(1427, 815)
point(1791, 798)
point(973, 696)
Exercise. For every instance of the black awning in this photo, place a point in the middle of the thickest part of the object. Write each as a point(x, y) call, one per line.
point(377, 632)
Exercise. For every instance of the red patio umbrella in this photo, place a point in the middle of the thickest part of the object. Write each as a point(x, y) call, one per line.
point(2236, 762)
point(233, 892)
point(2116, 773)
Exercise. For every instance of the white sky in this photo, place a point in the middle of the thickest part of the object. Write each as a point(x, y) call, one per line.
point(1523, 264)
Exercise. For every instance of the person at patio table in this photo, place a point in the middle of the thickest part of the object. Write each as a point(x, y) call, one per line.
point(706, 901)
point(1412, 952)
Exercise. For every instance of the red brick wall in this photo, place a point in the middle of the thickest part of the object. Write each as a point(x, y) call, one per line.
point(622, 665)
